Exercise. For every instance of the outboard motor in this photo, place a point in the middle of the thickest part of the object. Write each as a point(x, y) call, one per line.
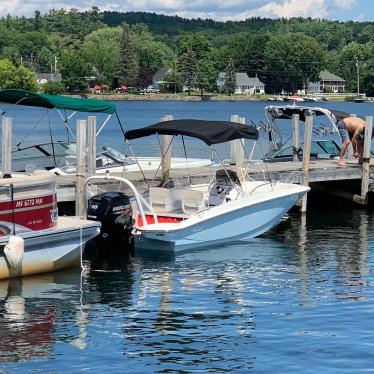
point(114, 211)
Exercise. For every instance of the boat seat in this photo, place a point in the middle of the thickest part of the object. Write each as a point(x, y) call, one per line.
point(161, 199)
point(192, 201)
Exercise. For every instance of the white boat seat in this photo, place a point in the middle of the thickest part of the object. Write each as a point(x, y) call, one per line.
point(161, 199)
point(192, 201)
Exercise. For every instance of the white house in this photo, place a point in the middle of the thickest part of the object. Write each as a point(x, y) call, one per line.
point(244, 84)
point(159, 77)
point(327, 80)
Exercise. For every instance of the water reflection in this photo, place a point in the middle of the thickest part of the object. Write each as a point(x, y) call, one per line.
point(236, 308)
point(330, 248)
point(28, 314)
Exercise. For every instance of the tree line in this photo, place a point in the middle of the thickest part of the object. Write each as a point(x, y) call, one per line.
point(128, 48)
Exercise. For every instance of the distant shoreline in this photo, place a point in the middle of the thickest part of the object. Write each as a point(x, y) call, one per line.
point(179, 97)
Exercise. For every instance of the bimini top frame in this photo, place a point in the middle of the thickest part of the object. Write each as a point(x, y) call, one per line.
point(274, 113)
point(60, 103)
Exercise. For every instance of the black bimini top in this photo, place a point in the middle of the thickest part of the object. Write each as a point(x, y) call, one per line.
point(211, 132)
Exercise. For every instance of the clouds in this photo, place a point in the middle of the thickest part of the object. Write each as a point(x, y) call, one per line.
point(216, 9)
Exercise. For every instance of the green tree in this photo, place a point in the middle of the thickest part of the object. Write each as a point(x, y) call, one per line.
point(46, 60)
point(188, 63)
point(230, 78)
point(368, 72)
point(101, 50)
point(128, 64)
point(206, 76)
point(74, 70)
point(16, 77)
point(291, 61)
point(197, 43)
point(348, 57)
point(54, 88)
point(151, 55)
point(7, 74)
point(25, 79)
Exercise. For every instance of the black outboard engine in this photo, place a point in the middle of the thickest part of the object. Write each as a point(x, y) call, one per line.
point(114, 211)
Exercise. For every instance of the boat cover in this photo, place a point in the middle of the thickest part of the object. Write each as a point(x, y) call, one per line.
point(22, 97)
point(286, 112)
point(211, 132)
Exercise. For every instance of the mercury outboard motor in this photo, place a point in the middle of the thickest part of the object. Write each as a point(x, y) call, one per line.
point(114, 211)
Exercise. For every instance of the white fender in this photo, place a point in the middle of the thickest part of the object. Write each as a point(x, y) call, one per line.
point(14, 251)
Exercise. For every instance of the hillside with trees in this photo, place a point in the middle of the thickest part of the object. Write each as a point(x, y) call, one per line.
point(128, 48)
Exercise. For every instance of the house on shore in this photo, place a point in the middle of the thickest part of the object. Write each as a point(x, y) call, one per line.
point(158, 78)
point(43, 78)
point(244, 84)
point(327, 81)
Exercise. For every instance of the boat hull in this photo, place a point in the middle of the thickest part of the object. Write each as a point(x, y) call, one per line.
point(49, 250)
point(240, 224)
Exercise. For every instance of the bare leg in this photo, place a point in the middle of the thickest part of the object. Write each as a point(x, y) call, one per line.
point(342, 153)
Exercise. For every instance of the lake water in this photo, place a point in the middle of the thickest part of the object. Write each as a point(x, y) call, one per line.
point(298, 299)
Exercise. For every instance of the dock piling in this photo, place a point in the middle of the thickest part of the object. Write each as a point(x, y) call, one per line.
point(81, 167)
point(166, 152)
point(91, 145)
point(306, 158)
point(6, 145)
point(295, 135)
point(366, 154)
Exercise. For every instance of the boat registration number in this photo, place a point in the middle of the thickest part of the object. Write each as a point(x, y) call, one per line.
point(29, 202)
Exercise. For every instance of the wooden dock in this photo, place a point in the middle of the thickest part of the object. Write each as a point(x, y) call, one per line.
point(317, 173)
point(320, 171)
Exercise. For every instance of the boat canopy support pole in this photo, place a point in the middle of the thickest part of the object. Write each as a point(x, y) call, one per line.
point(65, 120)
point(227, 173)
point(103, 125)
point(140, 168)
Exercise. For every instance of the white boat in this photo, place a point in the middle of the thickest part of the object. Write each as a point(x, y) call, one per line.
point(201, 215)
point(60, 156)
point(33, 239)
point(113, 161)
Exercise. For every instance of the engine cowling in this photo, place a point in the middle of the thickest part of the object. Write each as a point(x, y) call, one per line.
point(114, 211)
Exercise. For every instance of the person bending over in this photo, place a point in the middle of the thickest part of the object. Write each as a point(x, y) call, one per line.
point(351, 129)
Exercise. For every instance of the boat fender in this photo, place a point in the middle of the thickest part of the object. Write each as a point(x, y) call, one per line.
point(14, 251)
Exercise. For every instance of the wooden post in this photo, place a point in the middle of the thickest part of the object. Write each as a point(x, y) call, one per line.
point(366, 160)
point(306, 158)
point(233, 143)
point(91, 145)
point(6, 145)
point(296, 134)
point(166, 153)
point(81, 167)
point(239, 147)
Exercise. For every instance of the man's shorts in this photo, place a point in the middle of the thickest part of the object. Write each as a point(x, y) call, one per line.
point(343, 132)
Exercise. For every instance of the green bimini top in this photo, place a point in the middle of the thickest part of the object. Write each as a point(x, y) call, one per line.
point(22, 97)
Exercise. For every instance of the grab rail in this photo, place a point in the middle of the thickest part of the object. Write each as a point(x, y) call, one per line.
point(138, 197)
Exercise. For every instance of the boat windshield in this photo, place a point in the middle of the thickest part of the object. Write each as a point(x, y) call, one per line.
point(117, 156)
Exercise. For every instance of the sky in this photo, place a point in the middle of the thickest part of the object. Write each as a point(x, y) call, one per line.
point(357, 10)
